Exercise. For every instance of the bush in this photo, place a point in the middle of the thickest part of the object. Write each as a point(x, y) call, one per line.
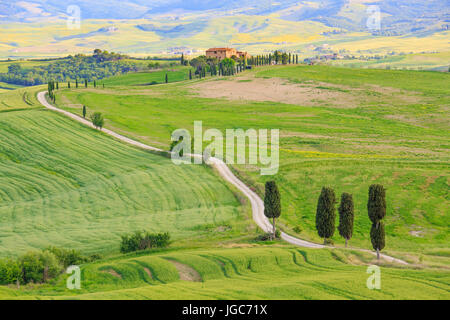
point(10, 271)
point(67, 257)
point(95, 257)
point(144, 240)
point(297, 229)
point(97, 120)
point(39, 266)
point(267, 236)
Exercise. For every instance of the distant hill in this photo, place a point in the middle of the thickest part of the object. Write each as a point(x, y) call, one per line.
point(165, 26)
point(400, 15)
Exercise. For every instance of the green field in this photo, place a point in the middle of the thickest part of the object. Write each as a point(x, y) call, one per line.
point(261, 272)
point(393, 131)
point(65, 184)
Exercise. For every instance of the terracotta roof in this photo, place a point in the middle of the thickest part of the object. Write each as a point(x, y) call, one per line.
point(219, 49)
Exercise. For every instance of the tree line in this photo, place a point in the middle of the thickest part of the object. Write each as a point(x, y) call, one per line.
point(101, 64)
point(326, 213)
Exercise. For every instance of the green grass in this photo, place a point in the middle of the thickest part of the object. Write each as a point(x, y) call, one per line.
point(148, 78)
point(261, 272)
point(396, 133)
point(23, 98)
point(67, 185)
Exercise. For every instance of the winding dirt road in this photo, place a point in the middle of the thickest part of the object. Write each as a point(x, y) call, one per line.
point(256, 202)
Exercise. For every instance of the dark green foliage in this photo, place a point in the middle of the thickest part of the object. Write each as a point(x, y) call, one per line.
point(39, 267)
point(272, 202)
point(98, 66)
point(144, 240)
point(84, 111)
point(76, 83)
point(67, 257)
point(85, 83)
point(68, 84)
point(346, 217)
point(377, 236)
point(190, 74)
point(10, 271)
point(376, 206)
point(97, 120)
point(326, 213)
point(167, 78)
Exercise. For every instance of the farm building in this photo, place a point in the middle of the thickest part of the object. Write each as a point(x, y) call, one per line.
point(222, 53)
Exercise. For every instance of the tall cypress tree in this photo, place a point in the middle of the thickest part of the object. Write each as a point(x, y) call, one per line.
point(167, 78)
point(346, 217)
point(376, 208)
point(76, 83)
point(190, 74)
point(377, 237)
point(272, 203)
point(326, 214)
point(84, 111)
point(85, 83)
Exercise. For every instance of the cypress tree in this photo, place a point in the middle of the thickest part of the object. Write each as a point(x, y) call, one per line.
point(272, 203)
point(57, 85)
point(167, 78)
point(84, 111)
point(326, 214)
point(376, 208)
point(95, 84)
point(190, 74)
point(76, 83)
point(377, 237)
point(346, 217)
point(85, 83)
point(68, 84)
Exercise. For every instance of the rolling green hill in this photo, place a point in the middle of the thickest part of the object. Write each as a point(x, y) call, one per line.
point(360, 127)
point(65, 184)
point(261, 272)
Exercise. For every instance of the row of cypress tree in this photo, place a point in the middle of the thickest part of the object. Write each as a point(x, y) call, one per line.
point(326, 215)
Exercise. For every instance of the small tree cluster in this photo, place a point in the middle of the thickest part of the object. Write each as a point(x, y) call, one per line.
point(144, 240)
point(40, 266)
point(97, 120)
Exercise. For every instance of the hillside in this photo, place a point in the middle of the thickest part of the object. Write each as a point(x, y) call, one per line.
point(254, 273)
point(66, 184)
point(340, 127)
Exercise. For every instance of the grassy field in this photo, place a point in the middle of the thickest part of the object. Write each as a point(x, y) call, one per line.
point(260, 272)
point(66, 184)
point(361, 127)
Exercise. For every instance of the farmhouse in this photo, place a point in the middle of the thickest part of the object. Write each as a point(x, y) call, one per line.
point(222, 53)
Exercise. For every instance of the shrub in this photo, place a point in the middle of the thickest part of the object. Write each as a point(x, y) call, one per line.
point(10, 271)
point(39, 266)
point(297, 229)
point(95, 257)
point(97, 120)
point(144, 240)
point(67, 257)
